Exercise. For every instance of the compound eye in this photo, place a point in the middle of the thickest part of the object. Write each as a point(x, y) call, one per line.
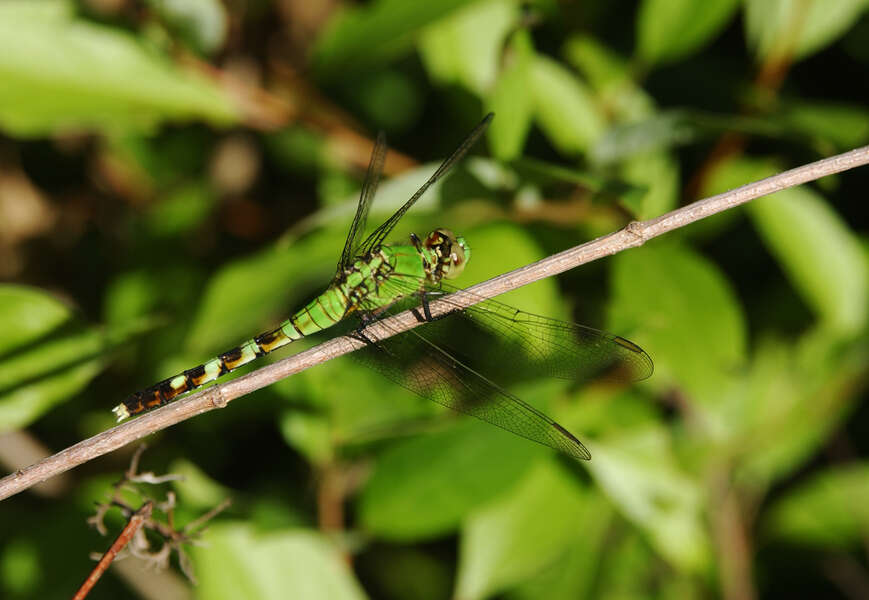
point(456, 261)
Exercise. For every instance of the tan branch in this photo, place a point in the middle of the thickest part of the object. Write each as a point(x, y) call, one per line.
point(635, 234)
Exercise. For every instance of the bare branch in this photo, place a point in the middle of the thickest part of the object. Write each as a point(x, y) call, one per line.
point(635, 234)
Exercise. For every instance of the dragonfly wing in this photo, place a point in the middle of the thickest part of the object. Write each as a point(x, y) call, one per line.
point(425, 368)
point(504, 339)
point(379, 235)
point(369, 189)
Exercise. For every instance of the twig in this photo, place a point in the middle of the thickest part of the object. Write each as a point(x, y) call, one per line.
point(133, 525)
point(635, 234)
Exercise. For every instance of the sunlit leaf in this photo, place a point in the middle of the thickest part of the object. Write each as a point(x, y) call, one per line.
point(611, 78)
point(46, 355)
point(465, 47)
point(203, 23)
point(239, 563)
point(62, 74)
point(564, 107)
point(797, 28)
point(512, 101)
point(520, 533)
point(638, 472)
point(668, 30)
point(830, 509)
point(819, 253)
point(256, 291)
point(365, 36)
point(680, 309)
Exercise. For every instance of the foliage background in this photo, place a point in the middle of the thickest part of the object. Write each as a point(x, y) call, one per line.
point(176, 176)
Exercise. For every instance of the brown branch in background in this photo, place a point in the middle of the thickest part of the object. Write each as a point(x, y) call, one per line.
point(133, 525)
point(635, 234)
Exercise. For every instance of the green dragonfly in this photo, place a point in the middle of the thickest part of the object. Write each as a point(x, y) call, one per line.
point(375, 279)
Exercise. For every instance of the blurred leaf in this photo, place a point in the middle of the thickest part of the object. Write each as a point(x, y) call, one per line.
point(610, 76)
point(46, 356)
point(203, 23)
point(20, 570)
point(573, 575)
point(426, 486)
point(237, 563)
point(365, 36)
point(668, 30)
point(180, 211)
point(517, 535)
point(627, 567)
point(831, 509)
point(819, 253)
point(659, 173)
point(390, 99)
point(465, 47)
point(797, 28)
point(680, 309)
point(197, 489)
point(247, 294)
point(405, 572)
point(796, 395)
point(638, 472)
point(564, 107)
point(309, 434)
point(843, 125)
point(62, 74)
point(512, 102)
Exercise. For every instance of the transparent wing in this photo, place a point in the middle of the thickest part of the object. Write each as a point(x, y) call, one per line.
point(379, 235)
point(447, 361)
point(369, 188)
point(425, 368)
point(519, 344)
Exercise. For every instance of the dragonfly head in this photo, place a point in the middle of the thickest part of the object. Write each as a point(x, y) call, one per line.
point(449, 253)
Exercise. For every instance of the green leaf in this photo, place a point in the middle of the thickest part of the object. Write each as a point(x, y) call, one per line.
point(238, 563)
point(203, 23)
point(638, 472)
point(844, 125)
point(668, 30)
point(250, 293)
point(46, 355)
point(488, 260)
point(426, 486)
point(796, 396)
point(797, 28)
point(821, 256)
point(517, 535)
point(573, 575)
point(680, 309)
point(659, 173)
point(309, 434)
point(196, 489)
point(611, 78)
point(61, 74)
point(362, 37)
point(465, 47)
point(564, 107)
point(831, 509)
point(512, 101)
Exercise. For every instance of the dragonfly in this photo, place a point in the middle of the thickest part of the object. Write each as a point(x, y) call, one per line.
point(375, 279)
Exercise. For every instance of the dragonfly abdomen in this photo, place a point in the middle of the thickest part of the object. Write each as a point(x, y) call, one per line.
point(322, 312)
